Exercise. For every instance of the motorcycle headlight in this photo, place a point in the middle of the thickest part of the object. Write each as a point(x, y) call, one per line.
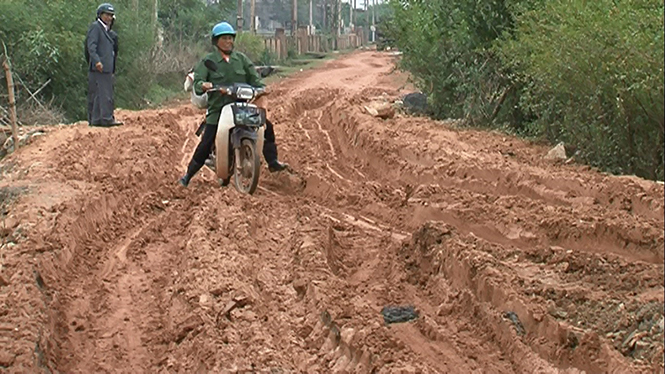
point(245, 93)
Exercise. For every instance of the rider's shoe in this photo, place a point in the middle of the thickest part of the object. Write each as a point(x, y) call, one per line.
point(210, 163)
point(277, 166)
point(192, 168)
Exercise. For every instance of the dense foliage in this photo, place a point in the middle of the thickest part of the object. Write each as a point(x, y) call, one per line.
point(45, 39)
point(589, 74)
point(158, 41)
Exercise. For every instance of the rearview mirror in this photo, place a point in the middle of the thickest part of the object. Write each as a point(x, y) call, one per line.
point(211, 65)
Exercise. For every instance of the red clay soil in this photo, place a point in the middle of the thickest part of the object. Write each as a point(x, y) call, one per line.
point(515, 264)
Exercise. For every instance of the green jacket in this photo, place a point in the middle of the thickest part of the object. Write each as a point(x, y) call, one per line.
point(239, 69)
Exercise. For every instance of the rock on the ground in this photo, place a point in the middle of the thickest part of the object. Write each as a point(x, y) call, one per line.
point(415, 102)
point(380, 109)
point(557, 153)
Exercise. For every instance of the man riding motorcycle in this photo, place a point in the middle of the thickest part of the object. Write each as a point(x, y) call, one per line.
point(233, 67)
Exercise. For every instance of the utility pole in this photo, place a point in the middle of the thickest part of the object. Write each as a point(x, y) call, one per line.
point(325, 15)
point(351, 15)
point(373, 20)
point(373, 12)
point(310, 17)
point(239, 19)
point(252, 11)
point(294, 18)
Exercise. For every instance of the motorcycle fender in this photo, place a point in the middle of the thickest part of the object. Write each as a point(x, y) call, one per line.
point(224, 127)
point(239, 133)
point(257, 136)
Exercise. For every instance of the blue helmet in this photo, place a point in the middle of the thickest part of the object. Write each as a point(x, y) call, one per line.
point(223, 28)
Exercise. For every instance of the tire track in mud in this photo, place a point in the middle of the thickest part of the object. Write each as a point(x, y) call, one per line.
point(604, 241)
point(116, 305)
point(642, 243)
point(105, 309)
point(467, 226)
point(410, 338)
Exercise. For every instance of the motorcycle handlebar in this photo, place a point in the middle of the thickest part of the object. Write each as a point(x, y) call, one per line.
point(227, 90)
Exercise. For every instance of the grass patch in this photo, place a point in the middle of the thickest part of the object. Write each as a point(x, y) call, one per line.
point(296, 65)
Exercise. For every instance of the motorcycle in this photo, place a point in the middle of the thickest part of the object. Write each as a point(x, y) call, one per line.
point(240, 133)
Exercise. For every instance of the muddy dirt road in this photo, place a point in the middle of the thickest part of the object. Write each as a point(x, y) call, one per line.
point(514, 264)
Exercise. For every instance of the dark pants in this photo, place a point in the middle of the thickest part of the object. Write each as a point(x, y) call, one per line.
point(269, 146)
point(208, 141)
point(100, 98)
point(205, 145)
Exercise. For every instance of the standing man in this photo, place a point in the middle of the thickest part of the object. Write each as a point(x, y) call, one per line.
point(101, 66)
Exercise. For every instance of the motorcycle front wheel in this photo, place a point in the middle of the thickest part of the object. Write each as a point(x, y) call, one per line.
point(247, 167)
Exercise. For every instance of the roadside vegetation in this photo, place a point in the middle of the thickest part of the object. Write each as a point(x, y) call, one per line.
point(589, 74)
point(159, 41)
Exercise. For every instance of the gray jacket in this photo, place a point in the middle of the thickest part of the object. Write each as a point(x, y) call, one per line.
point(100, 47)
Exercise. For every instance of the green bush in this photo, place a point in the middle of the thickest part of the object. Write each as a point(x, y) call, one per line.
point(267, 58)
point(250, 44)
point(45, 41)
point(447, 48)
point(586, 73)
point(592, 74)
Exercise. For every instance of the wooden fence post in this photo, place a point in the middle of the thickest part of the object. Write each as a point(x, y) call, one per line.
point(12, 101)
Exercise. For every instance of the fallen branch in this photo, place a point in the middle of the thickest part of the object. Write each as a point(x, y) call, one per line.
point(4, 116)
point(495, 112)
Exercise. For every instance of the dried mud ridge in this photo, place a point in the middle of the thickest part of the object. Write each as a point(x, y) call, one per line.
point(514, 264)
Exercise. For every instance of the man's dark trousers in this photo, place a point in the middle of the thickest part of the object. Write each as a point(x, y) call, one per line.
point(269, 146)
point(100, 98)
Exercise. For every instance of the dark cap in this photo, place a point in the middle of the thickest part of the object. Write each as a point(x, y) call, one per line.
point(105, 8)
